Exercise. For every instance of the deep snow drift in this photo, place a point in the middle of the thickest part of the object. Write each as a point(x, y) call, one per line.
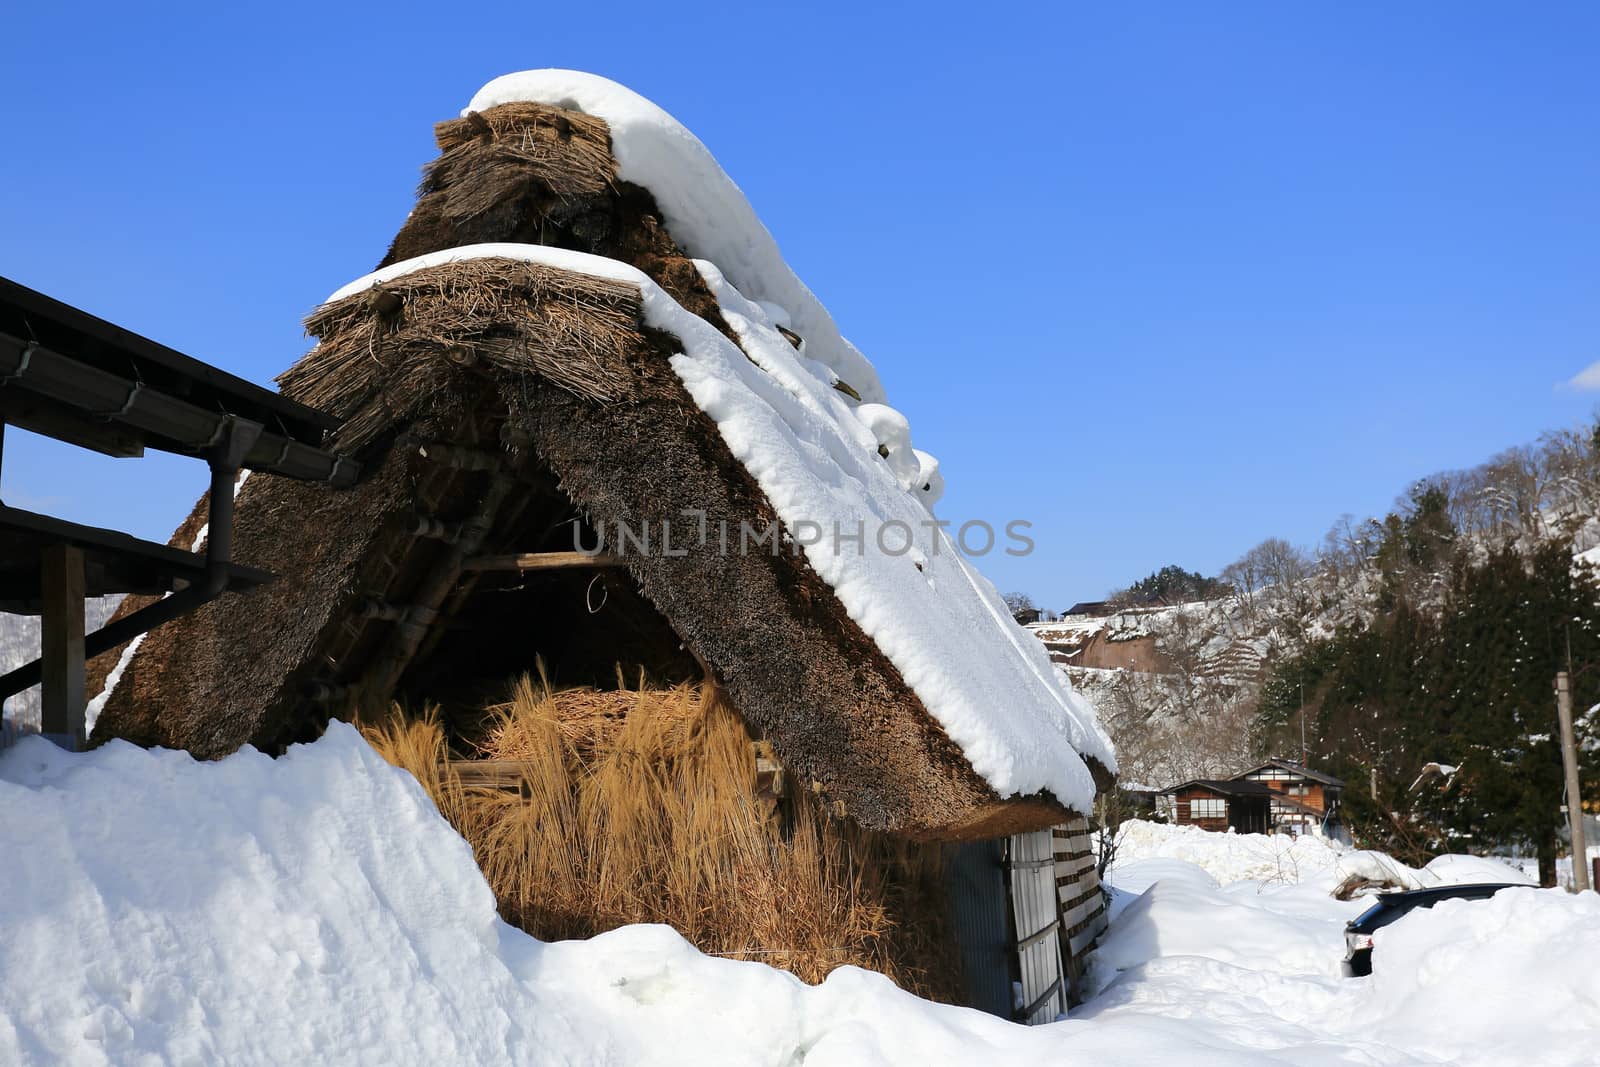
point(1237, 939)
point(316, 909)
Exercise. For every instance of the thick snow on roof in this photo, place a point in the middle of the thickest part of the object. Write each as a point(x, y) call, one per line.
point(702, 207)
point(983, 678)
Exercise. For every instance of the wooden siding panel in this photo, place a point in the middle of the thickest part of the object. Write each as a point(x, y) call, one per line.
point(1037, 916)
point(1078, 897)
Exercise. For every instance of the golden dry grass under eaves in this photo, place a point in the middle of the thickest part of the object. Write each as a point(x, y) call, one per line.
point(640, 805)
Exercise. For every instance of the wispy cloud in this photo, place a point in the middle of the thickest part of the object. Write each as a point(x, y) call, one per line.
point(1587, 378)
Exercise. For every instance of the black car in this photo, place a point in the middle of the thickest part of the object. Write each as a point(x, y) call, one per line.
point(1393, 906)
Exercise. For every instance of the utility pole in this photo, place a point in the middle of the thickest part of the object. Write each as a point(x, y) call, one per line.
point(1303, 761)
point(1569, 761)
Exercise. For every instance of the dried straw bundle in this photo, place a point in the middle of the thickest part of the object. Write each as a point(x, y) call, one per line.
point(382, 351)
point(499, 156)
point(641, 806)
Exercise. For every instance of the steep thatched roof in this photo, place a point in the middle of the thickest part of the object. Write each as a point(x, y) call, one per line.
point(499, 400)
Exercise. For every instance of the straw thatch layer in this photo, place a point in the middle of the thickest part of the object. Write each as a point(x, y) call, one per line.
point(572, 330)
point(535, 174)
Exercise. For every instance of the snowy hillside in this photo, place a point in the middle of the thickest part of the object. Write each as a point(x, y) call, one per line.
point(1174, 686)
point(316, 909)
point(1177, 685)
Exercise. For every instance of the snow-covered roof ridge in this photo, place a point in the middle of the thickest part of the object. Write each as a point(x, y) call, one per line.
point(943, 627)
point(703, 209)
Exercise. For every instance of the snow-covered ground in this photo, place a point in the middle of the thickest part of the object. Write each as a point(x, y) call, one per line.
point(316, 909)
point(1236, 940)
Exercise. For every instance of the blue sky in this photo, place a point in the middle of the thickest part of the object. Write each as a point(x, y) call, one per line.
point(1164, 280)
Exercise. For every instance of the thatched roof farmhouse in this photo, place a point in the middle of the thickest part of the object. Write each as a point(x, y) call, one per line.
point(581, 336)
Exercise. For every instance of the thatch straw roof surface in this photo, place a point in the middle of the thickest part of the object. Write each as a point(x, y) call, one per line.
point(555, 377)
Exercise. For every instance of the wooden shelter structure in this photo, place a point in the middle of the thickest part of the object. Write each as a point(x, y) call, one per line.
point(69, 375)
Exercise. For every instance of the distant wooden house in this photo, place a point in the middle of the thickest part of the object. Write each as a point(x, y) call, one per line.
point(1303, 800)
point(1214, 804)
point(1027, 616)
point(1277, 796)
point(1091, 608)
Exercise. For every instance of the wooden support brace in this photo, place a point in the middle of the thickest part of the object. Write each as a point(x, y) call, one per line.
point(62, 697)
point(540, 561)
point(486, 773)
point(1038, 935)
point(1041, 1000)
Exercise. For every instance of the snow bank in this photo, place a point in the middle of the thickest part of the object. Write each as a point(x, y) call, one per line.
point(1279, 858)
point(316, 909)
point(983, 678)
point(1254, 962)
point(1508, 980)
point(1184, 918)
point(1491, 981)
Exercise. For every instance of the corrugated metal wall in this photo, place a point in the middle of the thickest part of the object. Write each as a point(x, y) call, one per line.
point(975, 880)
point(1026, 908)
point(1031, 866)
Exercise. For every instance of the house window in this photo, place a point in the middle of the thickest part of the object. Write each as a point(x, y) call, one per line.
point(1208, 808)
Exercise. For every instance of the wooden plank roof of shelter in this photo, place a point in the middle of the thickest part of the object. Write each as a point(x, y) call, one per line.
point(69, 375)
point(113, 562)
point(72, 376)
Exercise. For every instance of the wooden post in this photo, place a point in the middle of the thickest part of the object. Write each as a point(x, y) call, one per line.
point(1569, 760)
point(62, 695)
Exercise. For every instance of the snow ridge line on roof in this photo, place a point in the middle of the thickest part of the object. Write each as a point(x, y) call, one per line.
point(942, 626)
point(704, 210)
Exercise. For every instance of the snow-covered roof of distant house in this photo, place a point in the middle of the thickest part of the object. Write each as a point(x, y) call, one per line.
point(1294, 768)
point(1231, 787)
point(691, 349)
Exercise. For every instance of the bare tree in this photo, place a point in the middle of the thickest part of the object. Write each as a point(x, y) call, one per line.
point(1016, 602)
